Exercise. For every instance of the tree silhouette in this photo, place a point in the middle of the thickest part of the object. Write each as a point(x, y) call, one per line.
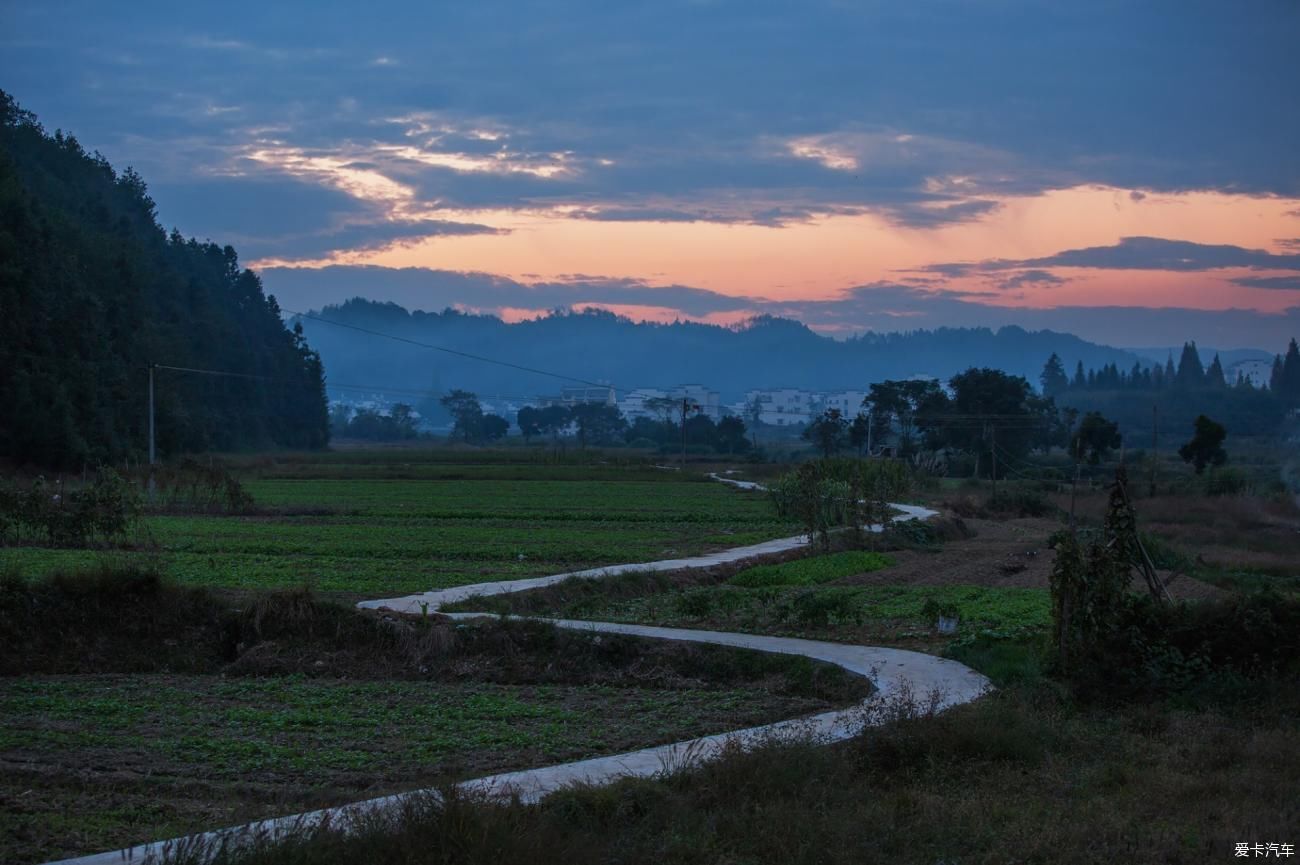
point(1206, 445)
point(1053, 378)
point(828, 431)
point(1096, 437)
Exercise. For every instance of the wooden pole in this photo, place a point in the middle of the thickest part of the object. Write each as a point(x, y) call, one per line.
point(1074, 484)
point(1155, 439)
point(993, 452)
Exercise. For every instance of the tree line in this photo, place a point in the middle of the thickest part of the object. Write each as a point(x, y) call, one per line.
point(1172, 396)
point(93, 292)
point(987, 413)
point(1189, 375)
point(594, 424)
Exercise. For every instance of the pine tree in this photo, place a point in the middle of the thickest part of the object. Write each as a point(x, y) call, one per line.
point(1080, 381)
point(1291, 373)
point(1275, 378)
point(1190, 371)
point(1170, 375)
point(1053, 377)
point(1214, 375)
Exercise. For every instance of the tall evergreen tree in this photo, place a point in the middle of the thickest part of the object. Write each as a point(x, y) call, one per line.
point(1053, 377)
point(1080, 380)
point(1214, 375)
point(1190, 371)
point(1291, 373)
point(1275, 378)
point(1171, 375)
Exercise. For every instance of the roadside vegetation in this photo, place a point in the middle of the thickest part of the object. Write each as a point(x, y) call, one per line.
point(1028, 774)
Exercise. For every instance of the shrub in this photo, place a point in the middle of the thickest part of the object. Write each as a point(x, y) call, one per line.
point(1020, 502)
point(695, 605)
point(812, 570)
point(1207, 651)
point(1226, 481)
point(106, 511)
point(189, 483)
point(839, 491)
point(826, 607)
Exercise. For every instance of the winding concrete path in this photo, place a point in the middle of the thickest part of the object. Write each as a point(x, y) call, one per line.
point(897, 674)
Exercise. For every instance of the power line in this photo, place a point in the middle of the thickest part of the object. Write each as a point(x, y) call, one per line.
point(369, 388)
point(457, 352)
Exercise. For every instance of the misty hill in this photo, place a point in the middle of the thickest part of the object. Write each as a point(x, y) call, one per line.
point(599, 346)
point(93, 291)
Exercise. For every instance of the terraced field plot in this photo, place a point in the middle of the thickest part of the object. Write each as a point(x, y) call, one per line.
point(91, 762)
point(367, 536)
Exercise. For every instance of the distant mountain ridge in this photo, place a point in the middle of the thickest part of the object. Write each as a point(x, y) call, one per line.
point(599, 346)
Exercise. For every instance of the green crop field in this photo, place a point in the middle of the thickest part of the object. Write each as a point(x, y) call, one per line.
point(827, 612)
point(393, 525)
point(98, 761)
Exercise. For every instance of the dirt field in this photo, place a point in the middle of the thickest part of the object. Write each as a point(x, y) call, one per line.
point(1000, 553)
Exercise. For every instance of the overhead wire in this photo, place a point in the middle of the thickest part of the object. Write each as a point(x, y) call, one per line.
point(457, 352)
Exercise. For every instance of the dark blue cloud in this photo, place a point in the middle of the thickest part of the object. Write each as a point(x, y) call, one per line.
point(1035, 276)
point(1131, 253)
point(272, 217)
point(1284, 283)
point(1158, 253)
point(688, 101)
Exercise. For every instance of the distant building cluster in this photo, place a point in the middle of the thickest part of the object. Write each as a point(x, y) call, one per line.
point(571, 396)
point(666, 403)
point(789, 406)
point(772, 406)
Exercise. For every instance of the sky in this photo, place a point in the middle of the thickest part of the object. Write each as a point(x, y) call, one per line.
point(1126, 171)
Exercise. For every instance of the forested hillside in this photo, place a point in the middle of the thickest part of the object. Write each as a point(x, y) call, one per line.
point(599, 346)
point(93, 291)
point(1146, 399)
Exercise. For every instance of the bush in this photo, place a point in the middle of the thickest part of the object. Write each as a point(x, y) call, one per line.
point(1209, 651)
point(190, 483)
point(839, 491)
point(812, 570)
point(104, 511)
point(107, 619)
point(1022, 503)
point(1226, 481)
point(826, 607)
point(695, 605)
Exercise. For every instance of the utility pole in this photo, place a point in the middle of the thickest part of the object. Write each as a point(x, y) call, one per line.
point(870, 425)
point(1155, 441)
point(687, 406)
point(1074, 484)
point(153, 454)
point(993, 452)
